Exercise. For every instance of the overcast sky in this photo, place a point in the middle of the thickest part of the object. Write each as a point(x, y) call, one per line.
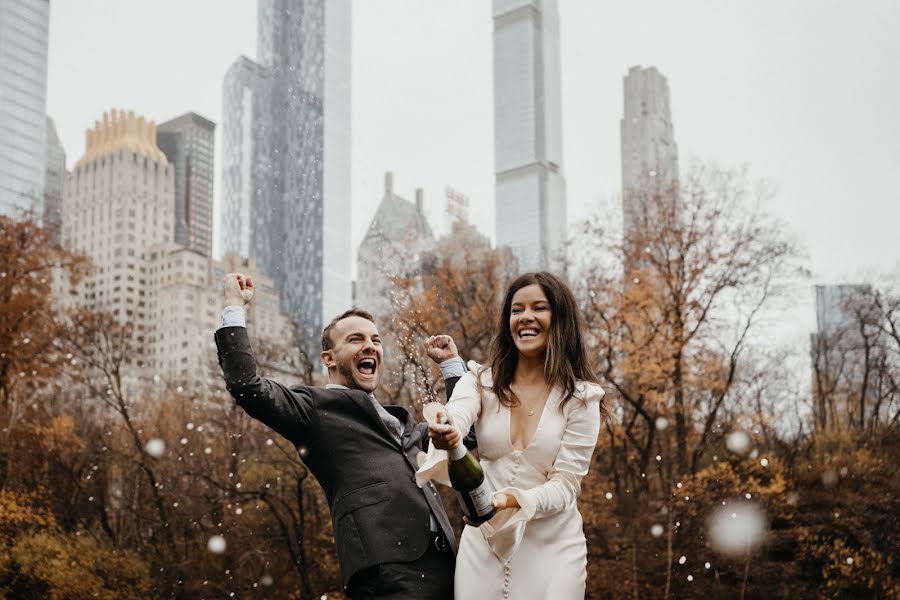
point(805, 93)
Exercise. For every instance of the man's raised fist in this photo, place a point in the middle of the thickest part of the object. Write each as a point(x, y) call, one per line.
point(238, 289)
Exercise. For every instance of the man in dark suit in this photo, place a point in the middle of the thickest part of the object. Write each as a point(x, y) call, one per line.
point(394, 539)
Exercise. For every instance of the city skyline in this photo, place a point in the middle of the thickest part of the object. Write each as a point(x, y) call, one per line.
point(120, 210)
point(822, 136)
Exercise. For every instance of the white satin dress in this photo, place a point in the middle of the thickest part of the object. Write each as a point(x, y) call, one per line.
point(537, 551)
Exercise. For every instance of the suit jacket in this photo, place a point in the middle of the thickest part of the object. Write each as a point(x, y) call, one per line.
point(378, 512)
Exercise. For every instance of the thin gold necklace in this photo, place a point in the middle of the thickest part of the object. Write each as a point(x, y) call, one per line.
point(542, 396)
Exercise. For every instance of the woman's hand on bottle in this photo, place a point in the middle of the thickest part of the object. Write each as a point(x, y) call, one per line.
point(444, 436)
point(500, 501)
point(503, 500)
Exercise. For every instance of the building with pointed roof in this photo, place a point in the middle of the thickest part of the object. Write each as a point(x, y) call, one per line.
point(392, 247)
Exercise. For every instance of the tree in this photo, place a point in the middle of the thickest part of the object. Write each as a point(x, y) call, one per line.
point(40, 560)
point(856, 363)
point(457, 291)
point(702, 264)
point(30, 263)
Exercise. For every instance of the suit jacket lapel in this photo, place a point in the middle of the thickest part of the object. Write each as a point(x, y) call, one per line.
point(402, 415)
point(364, 402)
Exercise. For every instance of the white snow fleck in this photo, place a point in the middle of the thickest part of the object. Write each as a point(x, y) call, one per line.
point(738, 442)
point(737, 529)
point(216, 544)
point(155, 447)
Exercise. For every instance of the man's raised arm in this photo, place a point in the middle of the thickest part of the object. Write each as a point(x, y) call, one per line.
point(289, 412)
point(442, 350)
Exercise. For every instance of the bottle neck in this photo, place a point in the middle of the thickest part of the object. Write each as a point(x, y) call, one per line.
point(457, 453)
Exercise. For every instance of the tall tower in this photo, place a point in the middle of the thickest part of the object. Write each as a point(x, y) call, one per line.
point(188, 142)
point(649, 152)
point(243, 152)
point(299, 211)
point(54, 180)
point(530, 187)
point(24, 26)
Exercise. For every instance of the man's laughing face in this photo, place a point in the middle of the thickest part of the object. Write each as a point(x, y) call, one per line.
point(356, 358)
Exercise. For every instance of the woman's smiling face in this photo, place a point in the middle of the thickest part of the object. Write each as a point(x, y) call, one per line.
point(530, 318)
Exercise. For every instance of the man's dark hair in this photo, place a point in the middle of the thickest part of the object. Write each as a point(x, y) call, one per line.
point(327, 343)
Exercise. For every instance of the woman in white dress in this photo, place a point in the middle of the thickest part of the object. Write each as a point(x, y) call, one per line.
point(536, 412)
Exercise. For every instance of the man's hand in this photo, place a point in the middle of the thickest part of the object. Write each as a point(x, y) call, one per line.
point(238, 289)
point(440, 348)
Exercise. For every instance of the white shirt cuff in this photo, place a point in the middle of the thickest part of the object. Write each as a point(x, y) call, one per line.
point(453, 367)
point(233, 316)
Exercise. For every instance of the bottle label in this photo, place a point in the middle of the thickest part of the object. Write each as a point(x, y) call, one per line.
point(480, 499)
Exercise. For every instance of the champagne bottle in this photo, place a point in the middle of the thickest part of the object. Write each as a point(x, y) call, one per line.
point(468, 480)
point(472, 488)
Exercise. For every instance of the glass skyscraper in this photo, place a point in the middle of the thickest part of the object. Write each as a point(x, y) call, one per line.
point(530, 192)
point(243, 146)
point(24, 26)
point(286, 169)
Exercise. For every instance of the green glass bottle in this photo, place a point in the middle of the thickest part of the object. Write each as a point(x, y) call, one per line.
point(471, 486)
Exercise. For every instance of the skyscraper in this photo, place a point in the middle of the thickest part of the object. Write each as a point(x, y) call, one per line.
point(54, 180)
point(188, 142)
point(24, 26)
point(530, 187)
point(649, 152)
point(299, 230)
point(118, 201)
point(243, 152)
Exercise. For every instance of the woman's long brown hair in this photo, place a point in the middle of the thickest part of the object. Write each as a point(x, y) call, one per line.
point(565, 361)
